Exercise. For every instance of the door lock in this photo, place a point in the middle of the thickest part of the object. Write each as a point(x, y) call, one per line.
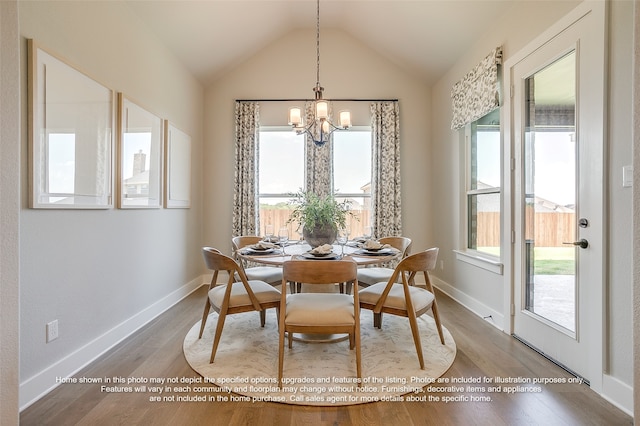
point(582, 243)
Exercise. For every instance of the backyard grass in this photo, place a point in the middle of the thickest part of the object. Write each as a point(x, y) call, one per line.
point(549, 260)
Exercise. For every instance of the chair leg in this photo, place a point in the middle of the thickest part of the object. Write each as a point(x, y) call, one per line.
point(205, 314)
point(416, 337)
point(358, 353)
point(292, 287)
point(290, 336)
point(348, 287)
point(341, 287)
point(216, 338)
point(352, 341)
point(377, 320)
point(436, 317)
point(263, 317)
point(280, 356)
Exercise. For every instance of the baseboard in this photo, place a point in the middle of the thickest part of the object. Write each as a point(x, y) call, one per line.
point(488, 314)
point(618, 393)
point(44, 382)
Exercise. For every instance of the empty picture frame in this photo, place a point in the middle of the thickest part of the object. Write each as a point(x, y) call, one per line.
point(178, 168)
point(140, 146)
point(70, 136)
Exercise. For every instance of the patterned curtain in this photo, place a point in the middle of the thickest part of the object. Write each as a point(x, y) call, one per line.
point(245, 195)
point(319, 167)
point(385, 182)
point(478, 93)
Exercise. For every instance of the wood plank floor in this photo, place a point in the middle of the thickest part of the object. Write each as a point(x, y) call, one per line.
point(483, 351)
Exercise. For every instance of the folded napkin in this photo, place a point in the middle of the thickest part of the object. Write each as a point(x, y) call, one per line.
point(262, 245)
point(323, 249)
point(374, 245)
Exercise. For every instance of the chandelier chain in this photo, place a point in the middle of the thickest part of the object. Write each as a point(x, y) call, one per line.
point(318, 43)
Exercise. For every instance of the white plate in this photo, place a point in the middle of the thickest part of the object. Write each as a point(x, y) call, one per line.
point(329, 256)
point(258, 251)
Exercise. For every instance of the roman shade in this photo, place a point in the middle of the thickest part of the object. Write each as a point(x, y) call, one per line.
point(478, 92)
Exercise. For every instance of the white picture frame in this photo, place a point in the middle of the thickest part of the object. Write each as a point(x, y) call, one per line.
point(140, 156)
point(177, 168)
point(71, 122)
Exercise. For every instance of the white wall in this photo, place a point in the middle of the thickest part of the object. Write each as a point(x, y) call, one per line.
point(484, 291)
point(9, 210)
point(286, 69)
point(103, 273)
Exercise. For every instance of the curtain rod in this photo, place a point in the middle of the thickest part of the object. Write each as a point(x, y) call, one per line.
point(311, 100)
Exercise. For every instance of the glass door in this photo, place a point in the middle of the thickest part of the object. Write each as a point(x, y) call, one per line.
point(550, 183)
point(557, 139)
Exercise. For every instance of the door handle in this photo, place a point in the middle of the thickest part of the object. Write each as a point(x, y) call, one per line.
point(582, 243)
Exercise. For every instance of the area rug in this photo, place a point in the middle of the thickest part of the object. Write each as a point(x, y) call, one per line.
point(246, 364)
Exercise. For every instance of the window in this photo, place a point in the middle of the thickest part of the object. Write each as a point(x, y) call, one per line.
point(61, 166)
point(281, 173)
point(483, 184)
point(352, 174)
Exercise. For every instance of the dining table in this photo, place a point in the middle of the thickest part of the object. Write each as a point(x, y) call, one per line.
point(278, 254)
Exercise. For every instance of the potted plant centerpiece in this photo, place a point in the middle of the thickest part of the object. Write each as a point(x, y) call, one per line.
point(319, 217)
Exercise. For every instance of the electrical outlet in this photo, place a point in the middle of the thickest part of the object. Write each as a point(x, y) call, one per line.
point(52, 330)
point(442, 265)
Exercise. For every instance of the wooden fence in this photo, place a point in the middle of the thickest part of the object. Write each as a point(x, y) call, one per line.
point(278, 218)
point(550, 229)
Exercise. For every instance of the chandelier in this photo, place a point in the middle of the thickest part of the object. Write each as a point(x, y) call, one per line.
point(320, 127)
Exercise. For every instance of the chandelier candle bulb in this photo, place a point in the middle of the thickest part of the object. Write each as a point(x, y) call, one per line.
point(345, 119)
point(295, 116)
point(322, 110)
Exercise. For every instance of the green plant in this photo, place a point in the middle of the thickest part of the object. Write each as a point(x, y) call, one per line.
point(311, 211)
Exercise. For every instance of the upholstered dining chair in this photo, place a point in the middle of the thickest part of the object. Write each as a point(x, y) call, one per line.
point(269, 274)
point(404, 298)
point(375, 274)
point(319, 313)
point(234, 297)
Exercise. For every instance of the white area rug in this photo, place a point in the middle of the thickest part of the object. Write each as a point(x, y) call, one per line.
point(246, 363)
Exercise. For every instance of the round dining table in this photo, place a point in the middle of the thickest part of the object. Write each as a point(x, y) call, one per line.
point(300, 250)
point(278, 255)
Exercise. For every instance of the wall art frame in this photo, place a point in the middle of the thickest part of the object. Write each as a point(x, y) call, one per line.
point(140, 156)
point(71, 135)
point(177, 168)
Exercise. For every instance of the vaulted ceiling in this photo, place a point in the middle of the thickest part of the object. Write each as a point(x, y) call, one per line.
point(425, 37)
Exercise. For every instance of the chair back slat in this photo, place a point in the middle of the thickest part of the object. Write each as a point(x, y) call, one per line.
point(216, 261)
point(419, 262)
point(320, 271)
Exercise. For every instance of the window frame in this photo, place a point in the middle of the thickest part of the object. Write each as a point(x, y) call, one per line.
point(469, 191)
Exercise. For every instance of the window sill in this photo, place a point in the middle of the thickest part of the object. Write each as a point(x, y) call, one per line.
point(483, 262)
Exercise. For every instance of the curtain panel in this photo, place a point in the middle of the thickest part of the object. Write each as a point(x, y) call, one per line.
point(319, 159)
point(478, 93)
point(245, 195)
point(385, 182)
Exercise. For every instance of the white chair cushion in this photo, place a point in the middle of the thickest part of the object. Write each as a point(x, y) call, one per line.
point(420, 297)
point(319, 309)
point(267, 274)
point(371, 276)
point(239, 297)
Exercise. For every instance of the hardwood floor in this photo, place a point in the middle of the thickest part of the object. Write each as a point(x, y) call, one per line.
point(483, 351)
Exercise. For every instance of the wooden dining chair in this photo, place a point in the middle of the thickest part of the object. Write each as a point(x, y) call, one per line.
point(269, 274)
point(404, 298)
point(319, 313)
point(375, 274)
point(234, 297)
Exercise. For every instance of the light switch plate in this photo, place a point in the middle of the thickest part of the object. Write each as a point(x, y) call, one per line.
point(627, 176)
